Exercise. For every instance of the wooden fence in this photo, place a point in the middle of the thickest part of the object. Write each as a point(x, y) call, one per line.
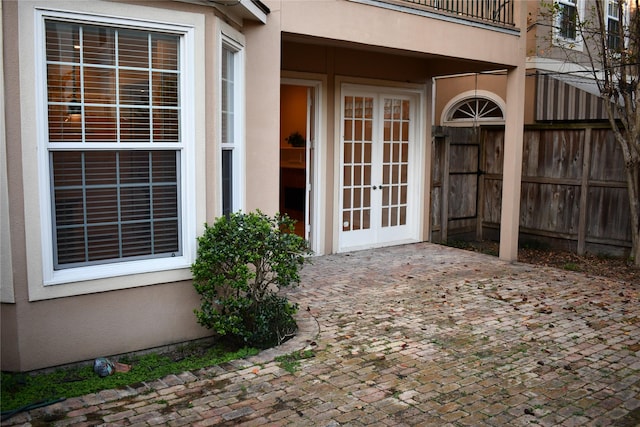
point(573, 190)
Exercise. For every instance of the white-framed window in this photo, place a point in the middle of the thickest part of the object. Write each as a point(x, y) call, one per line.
point(566, 26)
point(615, 16)
point(475, 107)
point(116, 154)
point(567, 19)
point(232, 124)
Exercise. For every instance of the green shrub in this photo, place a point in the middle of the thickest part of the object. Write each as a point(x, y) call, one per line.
point(243, 262)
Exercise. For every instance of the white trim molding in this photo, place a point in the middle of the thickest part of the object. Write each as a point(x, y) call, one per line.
point(6, 264)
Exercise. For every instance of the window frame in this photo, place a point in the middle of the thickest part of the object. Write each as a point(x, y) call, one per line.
point(621, 20)
point(560, 40)
point(232, 41)
point(470, 95)
point(185, 149)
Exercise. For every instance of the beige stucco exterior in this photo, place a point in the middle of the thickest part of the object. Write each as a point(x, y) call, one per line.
point(328, 43)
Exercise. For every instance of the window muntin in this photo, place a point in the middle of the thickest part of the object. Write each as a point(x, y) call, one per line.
point(476, 109)
point(114, 142)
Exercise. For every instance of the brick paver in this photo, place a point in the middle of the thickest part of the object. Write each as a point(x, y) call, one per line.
point(414, 335)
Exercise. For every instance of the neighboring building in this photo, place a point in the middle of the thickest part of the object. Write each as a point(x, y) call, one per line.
point(129, 124)
point(573, 185)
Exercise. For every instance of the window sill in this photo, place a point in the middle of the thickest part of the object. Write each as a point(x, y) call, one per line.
point(110, 277)
point(567, 43)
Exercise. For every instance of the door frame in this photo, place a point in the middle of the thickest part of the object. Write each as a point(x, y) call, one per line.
point(315, 215)
point(419, 166)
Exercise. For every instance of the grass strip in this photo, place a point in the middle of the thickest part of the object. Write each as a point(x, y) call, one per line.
point(21, 389)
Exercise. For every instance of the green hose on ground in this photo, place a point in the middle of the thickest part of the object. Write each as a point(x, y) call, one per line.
point(5, 415)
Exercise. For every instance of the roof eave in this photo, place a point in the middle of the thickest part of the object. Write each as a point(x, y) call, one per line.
point(253, 10)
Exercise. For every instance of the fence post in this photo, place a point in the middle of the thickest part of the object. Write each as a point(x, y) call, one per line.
point(480, 183)
point(584, 191)
point(444, 196)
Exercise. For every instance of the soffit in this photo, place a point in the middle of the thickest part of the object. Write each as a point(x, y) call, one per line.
point(252, 10)
point(439, 65)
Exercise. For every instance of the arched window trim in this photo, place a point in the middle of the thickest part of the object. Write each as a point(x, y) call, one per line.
point(462, 99)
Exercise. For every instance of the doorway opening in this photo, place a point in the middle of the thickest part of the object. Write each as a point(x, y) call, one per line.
point(297, 138)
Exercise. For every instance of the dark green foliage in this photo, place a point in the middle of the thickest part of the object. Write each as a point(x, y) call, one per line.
point(243, 261)
point(272, 321)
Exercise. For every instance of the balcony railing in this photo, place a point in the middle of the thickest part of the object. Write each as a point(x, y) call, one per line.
point(498, 12)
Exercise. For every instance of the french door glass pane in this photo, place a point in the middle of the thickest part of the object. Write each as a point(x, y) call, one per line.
point(357, 158)
point(395, 162)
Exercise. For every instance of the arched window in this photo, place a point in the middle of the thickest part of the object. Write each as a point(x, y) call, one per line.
point(473, 110)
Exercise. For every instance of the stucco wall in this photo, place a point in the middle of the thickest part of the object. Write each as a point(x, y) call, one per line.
point(59, 330)
point(71, 329)
point(263, 115)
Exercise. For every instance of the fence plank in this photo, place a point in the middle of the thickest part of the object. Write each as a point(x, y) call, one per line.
point(584, 192)
point(553, 153)
point(494, 151)
point(608, 215)
point(606, 161)
point(550, 207)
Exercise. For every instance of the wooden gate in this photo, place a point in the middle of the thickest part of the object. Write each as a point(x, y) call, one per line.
point(456, 181)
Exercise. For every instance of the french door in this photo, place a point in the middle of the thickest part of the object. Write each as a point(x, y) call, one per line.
point(379, 168)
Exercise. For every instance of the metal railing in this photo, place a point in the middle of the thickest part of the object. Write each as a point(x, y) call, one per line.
point(498, 12)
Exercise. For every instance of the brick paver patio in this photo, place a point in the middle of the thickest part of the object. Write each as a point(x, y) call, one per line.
point(414, 335)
